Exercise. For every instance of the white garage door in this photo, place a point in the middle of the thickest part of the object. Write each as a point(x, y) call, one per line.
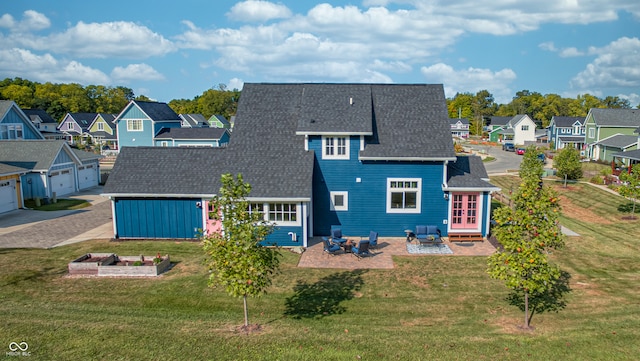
point(8, 198)
point(62, 182)
point(87, 176)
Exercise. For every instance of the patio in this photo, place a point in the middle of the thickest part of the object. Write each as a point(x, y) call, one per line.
point(381, 258)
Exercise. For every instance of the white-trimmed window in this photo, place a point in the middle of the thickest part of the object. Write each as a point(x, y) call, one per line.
point(282, 214)
point(339, 201)
point(404, 195)
point(525, 127)
point(100, 126)
point(335, 147)
point(592, 132)
point(11, 131)
point(164, 143)
point(69, 126)
point(134, 125)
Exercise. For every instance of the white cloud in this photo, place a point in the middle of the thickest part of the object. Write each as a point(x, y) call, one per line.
point(471, 80)
point(258, 11)
point(46, 68)
point(32, 21)
point(235, 83)
point(136, 72)
point(119, 39)
point(616, 65)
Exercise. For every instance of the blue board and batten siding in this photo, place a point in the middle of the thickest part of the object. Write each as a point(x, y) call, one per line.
point(281, 237)
point(12, 117)
point(158, 218)
point(367, 198)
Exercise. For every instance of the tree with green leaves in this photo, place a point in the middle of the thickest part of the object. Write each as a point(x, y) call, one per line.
point(567, 164)
point(527, 232)
point(237, 260)
point(630, 187)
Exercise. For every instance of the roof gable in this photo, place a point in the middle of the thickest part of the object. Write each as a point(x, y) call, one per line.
point(10, 111)
point(566, 122)
point(155, 111)
point(468, 172)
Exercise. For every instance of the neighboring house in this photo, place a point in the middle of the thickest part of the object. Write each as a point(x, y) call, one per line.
point(10, 191)
point(631, 156)
point(601, 124)
point(566, 132)
point(520, 130)
point(192, 137)
point(362, 156)
point(75, 126)
point(51, 166)
point(495, 126)
point(15, 124)
point(605, 149)
point(102, 131)
point(193, 120)
point(46, 125)
point(459, 127)
point(139, 122)
point(219, 121)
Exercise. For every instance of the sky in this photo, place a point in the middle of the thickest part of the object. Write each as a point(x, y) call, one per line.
point(179, 49)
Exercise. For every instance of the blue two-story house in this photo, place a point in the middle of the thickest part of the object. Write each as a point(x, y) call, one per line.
point(362, 156)
point(140, 121)
point(565, 132)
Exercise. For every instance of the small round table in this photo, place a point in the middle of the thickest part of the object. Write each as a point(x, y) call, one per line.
point(409, 232)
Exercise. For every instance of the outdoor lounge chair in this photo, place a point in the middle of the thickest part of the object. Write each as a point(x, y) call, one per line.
point(373, 239)
point(361, 250)
point(336, 235)
point(428, 234)
point(330, 248)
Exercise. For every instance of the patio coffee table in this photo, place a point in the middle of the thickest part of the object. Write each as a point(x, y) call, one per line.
point(346, 246)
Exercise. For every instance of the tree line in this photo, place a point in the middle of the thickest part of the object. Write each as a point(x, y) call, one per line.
point(60, 99)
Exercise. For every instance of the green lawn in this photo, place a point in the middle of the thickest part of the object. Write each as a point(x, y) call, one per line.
point(61, 204)
point(427, 308)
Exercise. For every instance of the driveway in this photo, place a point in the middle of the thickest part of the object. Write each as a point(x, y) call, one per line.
point(41, 229)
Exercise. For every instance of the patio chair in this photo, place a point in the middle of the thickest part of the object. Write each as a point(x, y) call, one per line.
point(336, 235)
point(373, 240)
point(361, 250)
point(428, 234)
point(330, 248)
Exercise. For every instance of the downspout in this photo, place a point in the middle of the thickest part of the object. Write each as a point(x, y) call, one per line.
point(113, 212)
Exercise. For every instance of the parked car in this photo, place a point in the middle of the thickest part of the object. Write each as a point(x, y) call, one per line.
point(520, 151)
point(509, 147)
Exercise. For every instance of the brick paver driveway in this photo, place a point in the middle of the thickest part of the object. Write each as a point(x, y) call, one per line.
point(47, 229)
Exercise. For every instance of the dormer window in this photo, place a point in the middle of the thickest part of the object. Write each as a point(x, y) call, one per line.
point(335, 147)
point(100, 126)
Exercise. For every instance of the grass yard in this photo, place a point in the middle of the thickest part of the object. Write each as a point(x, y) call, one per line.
point(427, 308)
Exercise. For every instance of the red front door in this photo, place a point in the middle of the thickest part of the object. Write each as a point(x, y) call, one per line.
point(464, 210)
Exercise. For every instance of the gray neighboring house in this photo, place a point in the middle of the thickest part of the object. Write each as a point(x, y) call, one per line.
point(52, 167)
point(193, 120)
point(45, 124)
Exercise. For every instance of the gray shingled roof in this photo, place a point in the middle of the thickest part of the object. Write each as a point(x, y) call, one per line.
point(499, 121)
point(36, 155)
point(43, 115)
point(619, 141)
point(5, 105)
point(616, 117)
point(569, 138)
point(165, 171)
point(157, 111)
point(84, 120)
point(334, 108)
point(194, 120)
point(632, 154)
point(453, 121)
point(191, 133)
point(468, 172)
point(567, 122)
point(84, 155)
point(7, 169)
point(410, 122)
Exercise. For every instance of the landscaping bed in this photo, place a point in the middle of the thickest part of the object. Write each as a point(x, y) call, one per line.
point(110, 264)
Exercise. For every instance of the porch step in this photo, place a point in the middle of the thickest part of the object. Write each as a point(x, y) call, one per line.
point(465, 237)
